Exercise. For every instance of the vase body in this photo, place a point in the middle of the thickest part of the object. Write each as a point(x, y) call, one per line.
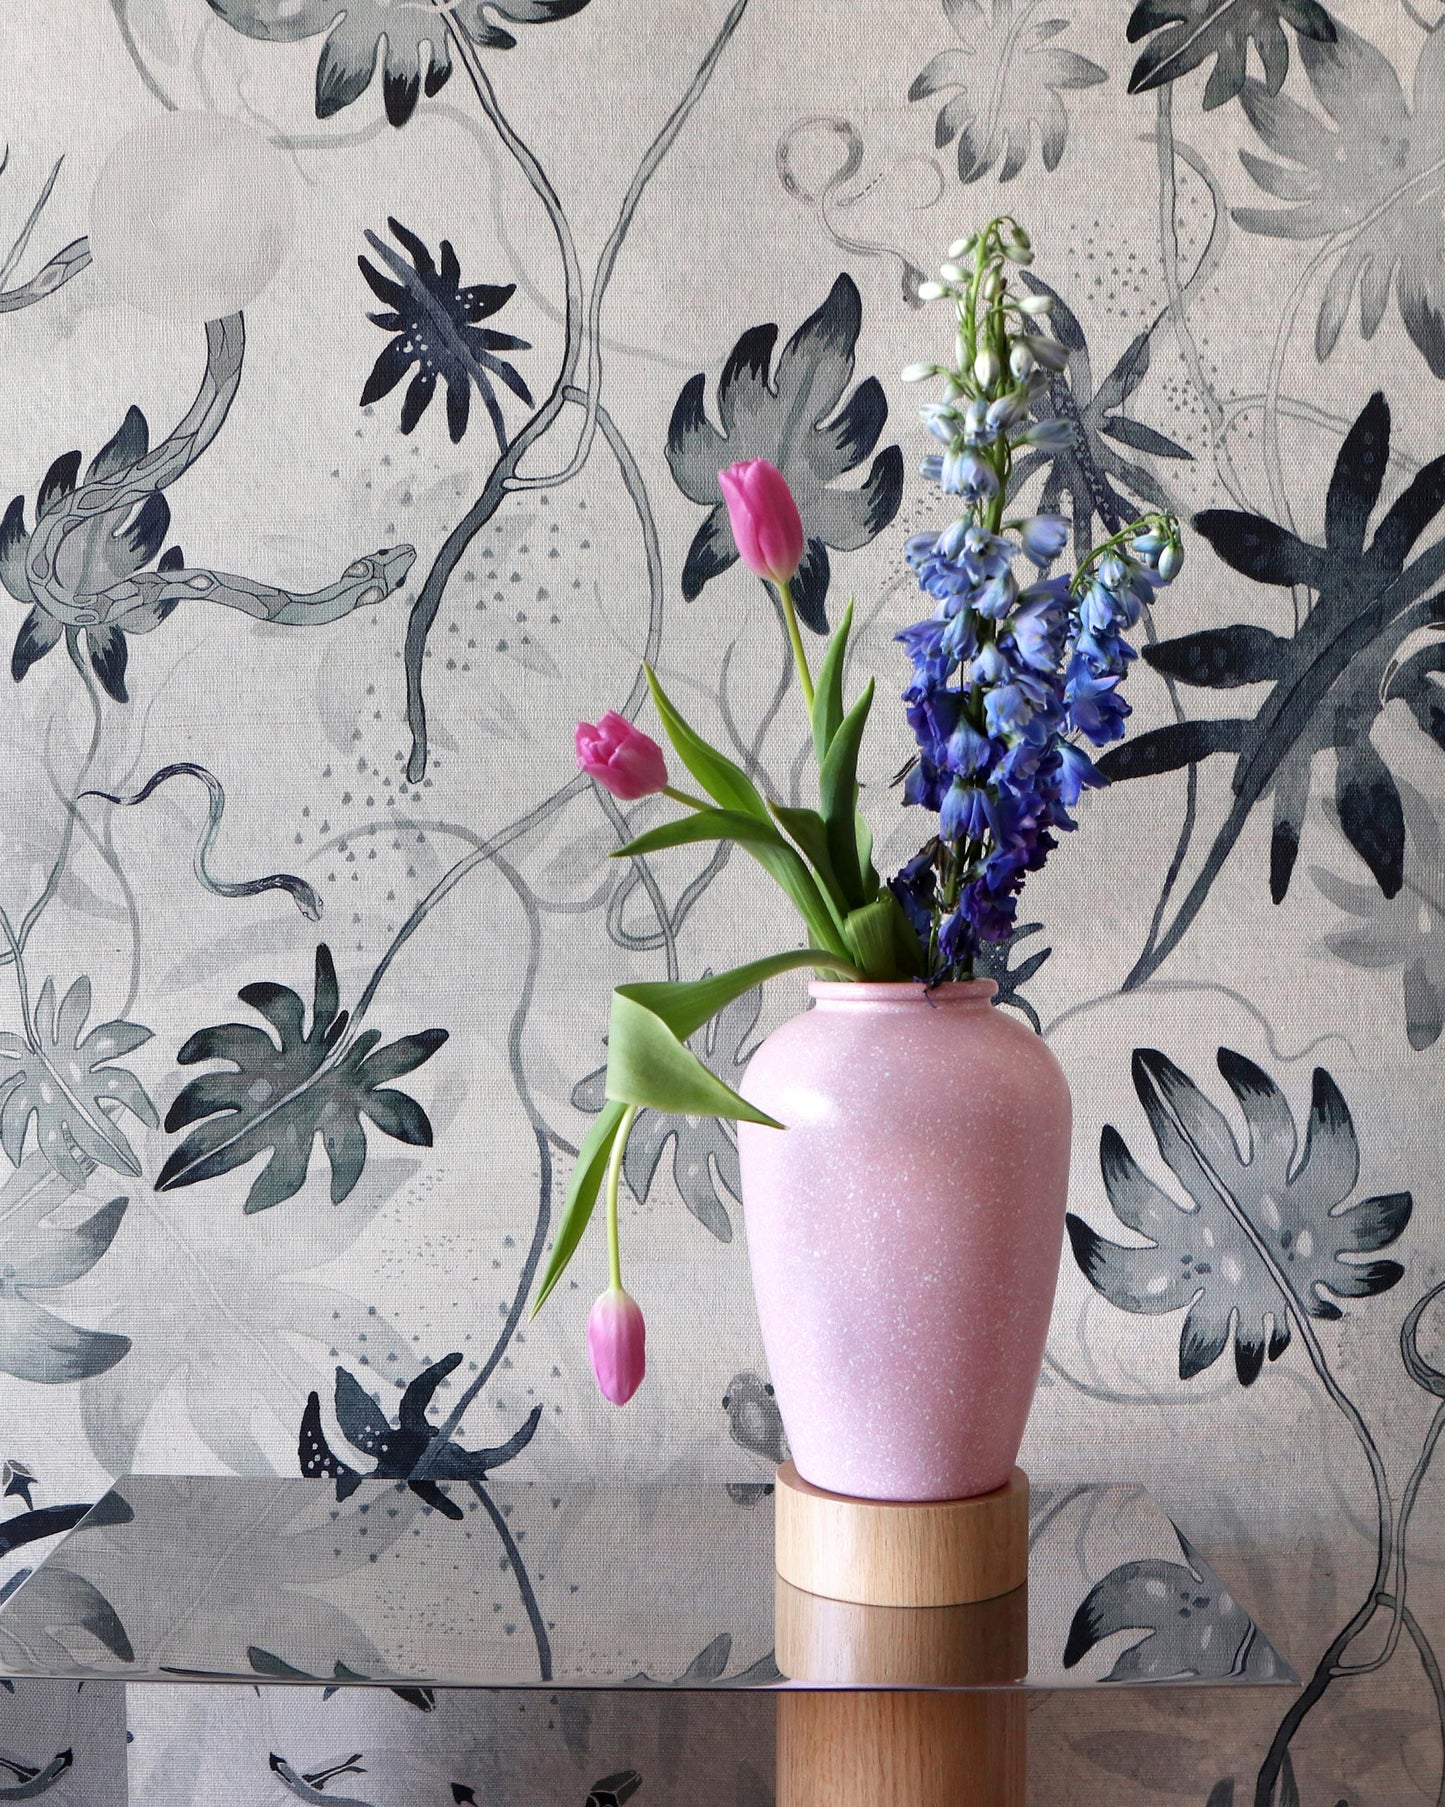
point(904, 1232)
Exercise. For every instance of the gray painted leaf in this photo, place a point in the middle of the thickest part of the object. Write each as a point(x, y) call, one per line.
point(1385, 214)
point(58, 1078)
point(793, 412)
point(279, 1099)
point(1189, 32)
point(1267, 1233)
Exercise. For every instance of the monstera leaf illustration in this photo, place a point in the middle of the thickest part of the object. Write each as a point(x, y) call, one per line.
point(280, 1098)
point(410, 41)
point(1328, 681)
point(1266, 1234)
point(61, 1077)
point(1367, 177)
point(1190, 31)
point(1003, 80)
point(794, 415)
point(48, 1239)
point(1195, 1630)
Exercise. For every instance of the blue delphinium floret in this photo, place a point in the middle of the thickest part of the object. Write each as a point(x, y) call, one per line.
point(1012, 679)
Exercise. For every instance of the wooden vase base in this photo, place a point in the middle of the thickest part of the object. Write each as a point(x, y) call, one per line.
point(902, 1553)
point(902, 1749)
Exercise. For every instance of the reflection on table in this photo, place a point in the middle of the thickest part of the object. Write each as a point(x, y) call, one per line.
point(592, 1586)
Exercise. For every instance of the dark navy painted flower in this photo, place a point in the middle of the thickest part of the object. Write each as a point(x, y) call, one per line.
point(410, 40)
point(436, 330)
point(399, 1450)
point(1085, 466)
point(792, 412)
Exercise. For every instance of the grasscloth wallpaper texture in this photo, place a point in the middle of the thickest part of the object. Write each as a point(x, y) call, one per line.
point(366, 367)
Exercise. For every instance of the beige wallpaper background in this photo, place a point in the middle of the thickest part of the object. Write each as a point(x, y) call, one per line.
point(1249, 243)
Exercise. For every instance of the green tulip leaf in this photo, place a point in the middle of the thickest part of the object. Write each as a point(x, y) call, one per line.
point(648, 1064)
point(864, 837)
point(838, 786)
point(768, 848)
point(828, 696)
point(586, 1183)
point(704, 825)
point(810, 832)
point(724, 782)
point(870, 935)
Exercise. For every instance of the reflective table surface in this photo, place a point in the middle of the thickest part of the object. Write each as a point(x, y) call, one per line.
point(527, 1585)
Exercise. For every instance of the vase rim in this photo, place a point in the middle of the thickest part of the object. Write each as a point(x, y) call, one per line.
point(907, 991)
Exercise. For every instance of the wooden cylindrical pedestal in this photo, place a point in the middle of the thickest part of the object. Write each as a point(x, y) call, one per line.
point(902, 1553)
point(902, 1749)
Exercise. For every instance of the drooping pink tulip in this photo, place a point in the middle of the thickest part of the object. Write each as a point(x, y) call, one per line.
point(617, 1344)
point(765, 519)
point(621, 757)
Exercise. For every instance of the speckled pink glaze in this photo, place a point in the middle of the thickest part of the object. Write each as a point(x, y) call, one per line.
point(904, 1233)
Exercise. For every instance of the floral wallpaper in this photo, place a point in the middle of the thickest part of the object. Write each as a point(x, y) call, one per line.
point(368, 367)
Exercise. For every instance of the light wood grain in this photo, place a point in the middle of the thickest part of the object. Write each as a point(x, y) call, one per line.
point(841, 1643)
point(902, 1749)
point(891, 1553)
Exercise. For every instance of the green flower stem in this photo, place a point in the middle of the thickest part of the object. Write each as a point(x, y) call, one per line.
point(795, 638)
point(614, 1174)
point(1164, 523)
point(686, 798)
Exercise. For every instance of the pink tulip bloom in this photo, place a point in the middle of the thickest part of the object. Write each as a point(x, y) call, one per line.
point(621, 757)
point(617, 1344)
point(765, 519)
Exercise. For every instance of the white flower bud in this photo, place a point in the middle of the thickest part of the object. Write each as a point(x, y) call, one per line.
point(950, 272)
point(931, 291)
point(986, 368)
point(1018, 254)
point(1037, 304)
point(1049, 353)
point(1021, 361)
point(992, 286)
point(919, 373)
point(962, 246)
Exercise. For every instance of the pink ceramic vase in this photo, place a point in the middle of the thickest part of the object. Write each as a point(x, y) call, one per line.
point(904, 1232)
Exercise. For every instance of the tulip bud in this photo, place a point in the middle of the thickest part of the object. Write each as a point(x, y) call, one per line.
point(620, 757)
point(765, 519)
point(617, 1344)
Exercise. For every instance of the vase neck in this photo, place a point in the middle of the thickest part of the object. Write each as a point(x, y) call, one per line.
point(961, 994)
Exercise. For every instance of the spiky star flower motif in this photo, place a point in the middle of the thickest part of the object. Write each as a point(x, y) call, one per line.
point(399, 1450)
point(435, 327)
